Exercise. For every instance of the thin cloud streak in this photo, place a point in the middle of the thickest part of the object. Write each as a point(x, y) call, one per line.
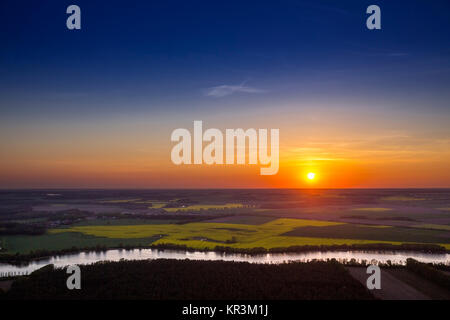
point(226, 90)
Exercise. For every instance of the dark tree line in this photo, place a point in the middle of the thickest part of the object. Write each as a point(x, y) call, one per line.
point(428, 272)
point(13, 228)
point(187, 279)
point(375, 247)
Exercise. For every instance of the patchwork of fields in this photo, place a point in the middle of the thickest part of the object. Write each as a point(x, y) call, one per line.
point(204, 219)
point(276, 233)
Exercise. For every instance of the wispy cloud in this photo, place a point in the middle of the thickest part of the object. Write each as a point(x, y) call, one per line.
point(397, 54)
point(226, 90)
point(395, 147)
point(366, 51)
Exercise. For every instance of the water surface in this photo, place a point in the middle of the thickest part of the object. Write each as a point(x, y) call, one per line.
point(397, 257)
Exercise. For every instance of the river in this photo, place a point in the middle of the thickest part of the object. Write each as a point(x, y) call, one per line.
point(397, 257)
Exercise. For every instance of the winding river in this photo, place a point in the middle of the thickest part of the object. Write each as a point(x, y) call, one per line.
point(397, 257)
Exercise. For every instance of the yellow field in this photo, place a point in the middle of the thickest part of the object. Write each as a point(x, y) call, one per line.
point(209, 235)
point(120, 201)
point(197, 207)
point(157, 205)
point(433, 226)
point(375, 209)
point(191, 234)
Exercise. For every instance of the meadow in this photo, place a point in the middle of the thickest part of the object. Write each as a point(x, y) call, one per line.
point(24, 244)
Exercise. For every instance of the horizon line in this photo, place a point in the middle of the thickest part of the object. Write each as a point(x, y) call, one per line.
point(255, 188)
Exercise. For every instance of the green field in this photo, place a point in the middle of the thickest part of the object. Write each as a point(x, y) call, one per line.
point(66, 240)
point(123, 222)
point(362, 232)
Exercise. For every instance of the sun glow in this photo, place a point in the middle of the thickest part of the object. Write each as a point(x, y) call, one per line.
point(311, 175)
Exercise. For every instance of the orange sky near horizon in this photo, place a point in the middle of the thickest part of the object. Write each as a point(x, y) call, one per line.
point(123, 168)
point(329, 174)
point(345, 151)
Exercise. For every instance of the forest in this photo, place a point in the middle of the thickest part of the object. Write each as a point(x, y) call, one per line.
point(186, 279)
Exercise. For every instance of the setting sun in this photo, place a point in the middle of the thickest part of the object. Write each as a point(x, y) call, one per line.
point(311, 175)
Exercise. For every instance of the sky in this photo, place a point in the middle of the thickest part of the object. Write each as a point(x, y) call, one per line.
point(95, 108)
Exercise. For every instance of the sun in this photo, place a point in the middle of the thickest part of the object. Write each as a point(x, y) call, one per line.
point(311, 175)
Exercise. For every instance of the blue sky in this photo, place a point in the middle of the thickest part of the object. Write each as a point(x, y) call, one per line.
point(156, 55)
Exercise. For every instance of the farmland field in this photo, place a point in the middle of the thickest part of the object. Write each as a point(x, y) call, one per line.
point(277, 233)
point(66, 240)
point(353, 231)
point(204, 219)
point(198, 207)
